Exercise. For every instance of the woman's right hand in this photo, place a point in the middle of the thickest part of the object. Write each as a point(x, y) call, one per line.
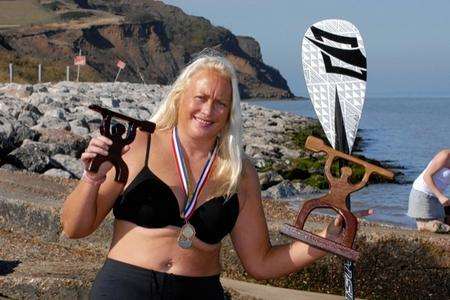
point(444, 200)
point(99, 146)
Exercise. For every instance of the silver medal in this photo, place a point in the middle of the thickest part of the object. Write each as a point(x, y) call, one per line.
point(184, 243)
point(187, 233)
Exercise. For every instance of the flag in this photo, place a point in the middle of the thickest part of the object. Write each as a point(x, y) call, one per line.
point(121, 64)
point(79, 60)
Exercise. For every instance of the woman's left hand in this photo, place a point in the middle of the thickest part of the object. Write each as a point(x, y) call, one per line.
point(334, 229)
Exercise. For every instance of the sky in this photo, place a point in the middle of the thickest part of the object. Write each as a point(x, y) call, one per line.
point(407, 42)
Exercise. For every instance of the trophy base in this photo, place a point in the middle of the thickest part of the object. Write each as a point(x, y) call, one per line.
point(320, 242)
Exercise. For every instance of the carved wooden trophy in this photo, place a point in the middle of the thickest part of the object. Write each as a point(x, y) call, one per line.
point(340, 188)
point(115, 133)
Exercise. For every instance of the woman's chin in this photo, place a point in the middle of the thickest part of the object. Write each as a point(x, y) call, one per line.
point(203, 132)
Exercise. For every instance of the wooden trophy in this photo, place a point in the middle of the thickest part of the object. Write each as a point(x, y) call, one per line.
point(340, 189)
point(115, 133)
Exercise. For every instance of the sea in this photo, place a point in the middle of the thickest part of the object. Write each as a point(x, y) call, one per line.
point(404, 132)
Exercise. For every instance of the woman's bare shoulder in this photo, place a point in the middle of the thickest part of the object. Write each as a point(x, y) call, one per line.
point(249, 177)
point(138, 141)
point(441, 159)
point(443, 155)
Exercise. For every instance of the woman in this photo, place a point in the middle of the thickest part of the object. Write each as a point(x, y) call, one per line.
point(427, 202)
point(162, 246)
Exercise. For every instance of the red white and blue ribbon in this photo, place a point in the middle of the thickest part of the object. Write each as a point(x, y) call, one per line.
point(184, 176)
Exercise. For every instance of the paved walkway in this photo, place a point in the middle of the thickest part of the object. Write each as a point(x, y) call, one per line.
point(265, 292)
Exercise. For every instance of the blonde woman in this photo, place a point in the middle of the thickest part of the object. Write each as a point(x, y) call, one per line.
point(189, 185)
point(427, 201)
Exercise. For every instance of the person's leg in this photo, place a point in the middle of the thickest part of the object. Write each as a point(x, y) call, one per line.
point(117, 280)
point(428, 212)
point(433, 225)
point(185, 287)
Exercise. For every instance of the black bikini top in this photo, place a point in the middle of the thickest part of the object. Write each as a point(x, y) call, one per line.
point(149, 202)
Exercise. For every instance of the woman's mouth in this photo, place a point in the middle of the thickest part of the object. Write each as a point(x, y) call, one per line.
point(203, 122)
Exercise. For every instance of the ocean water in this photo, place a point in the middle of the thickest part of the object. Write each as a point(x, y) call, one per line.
point(406, 132)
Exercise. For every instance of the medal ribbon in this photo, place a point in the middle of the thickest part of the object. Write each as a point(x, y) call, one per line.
point(184, 176)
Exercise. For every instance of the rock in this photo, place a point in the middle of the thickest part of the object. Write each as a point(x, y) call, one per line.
point(269, 178)
point(23, 132)
point(303, 188)
point(9, 167)
point(58, 173)
point(250, 46)
point(29, 115)
point(6, 135)
point(281, 191)
point(31, 156)
point(69, 164)
point(79, 130)
point(66, 142)
point(51, 122)
point(10, 106)
point(43, 89)
point(57, 113)
point(108, 102)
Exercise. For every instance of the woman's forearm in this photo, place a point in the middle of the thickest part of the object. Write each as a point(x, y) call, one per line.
point(79, 210)
point(281, 260)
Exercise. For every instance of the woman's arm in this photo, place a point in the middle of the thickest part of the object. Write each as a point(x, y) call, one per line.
point(439, 161)
point(87, 205)
point(251, 239)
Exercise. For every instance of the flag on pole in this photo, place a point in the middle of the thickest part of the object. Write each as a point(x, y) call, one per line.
point(79, 60)
point(121, 64)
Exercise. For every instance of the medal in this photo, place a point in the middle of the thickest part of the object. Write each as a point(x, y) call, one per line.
point(187, 232)
point(183, 243)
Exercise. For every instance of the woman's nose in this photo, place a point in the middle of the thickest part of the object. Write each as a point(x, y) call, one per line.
point(207, 107)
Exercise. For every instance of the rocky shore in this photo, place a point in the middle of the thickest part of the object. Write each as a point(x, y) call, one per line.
point(43, 131)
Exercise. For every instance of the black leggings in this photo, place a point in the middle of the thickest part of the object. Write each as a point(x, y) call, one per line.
point(119, 280)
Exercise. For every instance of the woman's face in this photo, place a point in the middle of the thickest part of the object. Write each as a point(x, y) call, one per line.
point(205, 104)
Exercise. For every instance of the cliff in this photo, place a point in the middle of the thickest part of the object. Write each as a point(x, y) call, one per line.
point(154, 39)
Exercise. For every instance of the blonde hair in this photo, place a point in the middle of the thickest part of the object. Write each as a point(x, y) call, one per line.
point(229, 159)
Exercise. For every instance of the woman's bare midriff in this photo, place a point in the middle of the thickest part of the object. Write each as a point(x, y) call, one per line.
point(157, 249)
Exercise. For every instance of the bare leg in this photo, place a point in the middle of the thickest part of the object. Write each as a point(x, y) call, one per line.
point(433, 225)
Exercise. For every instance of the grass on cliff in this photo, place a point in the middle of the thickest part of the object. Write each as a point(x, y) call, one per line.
point(24, 12)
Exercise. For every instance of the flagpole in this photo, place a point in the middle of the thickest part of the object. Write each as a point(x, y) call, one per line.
point(78, 66)
point(117, 75)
